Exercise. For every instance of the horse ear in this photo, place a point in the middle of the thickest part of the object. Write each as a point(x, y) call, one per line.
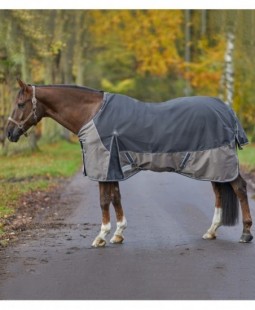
point(22, 84)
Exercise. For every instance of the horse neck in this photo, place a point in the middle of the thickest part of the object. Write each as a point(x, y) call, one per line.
point(69, 106)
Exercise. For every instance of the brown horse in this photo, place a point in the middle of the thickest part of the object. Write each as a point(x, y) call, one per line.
point(74, 106)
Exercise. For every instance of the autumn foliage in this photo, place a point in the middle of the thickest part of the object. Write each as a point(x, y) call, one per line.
point(141, 53)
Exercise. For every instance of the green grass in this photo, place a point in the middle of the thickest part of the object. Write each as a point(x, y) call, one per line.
point(247, 157)
point(59, 159)
point(21, 174)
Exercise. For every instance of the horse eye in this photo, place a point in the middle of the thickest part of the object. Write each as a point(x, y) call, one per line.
point(21, 105)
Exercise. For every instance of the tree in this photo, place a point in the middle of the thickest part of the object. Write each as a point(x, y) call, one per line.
point(154, 51)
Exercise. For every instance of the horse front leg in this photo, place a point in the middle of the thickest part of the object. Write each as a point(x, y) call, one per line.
point(121, 220)
point(217, 217)
point(105, 200)
point(239, 186)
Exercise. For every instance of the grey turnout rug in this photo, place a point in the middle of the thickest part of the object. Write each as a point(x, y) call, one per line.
point(193, 136)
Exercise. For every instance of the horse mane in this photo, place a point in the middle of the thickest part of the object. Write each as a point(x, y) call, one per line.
point(70, 86)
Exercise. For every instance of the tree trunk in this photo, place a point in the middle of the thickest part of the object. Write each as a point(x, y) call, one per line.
point(229, 69)
point(187, 90)
point(51, 131)
point(203, 22)
point(26, 76)
point(227, 81)
point(68, 61)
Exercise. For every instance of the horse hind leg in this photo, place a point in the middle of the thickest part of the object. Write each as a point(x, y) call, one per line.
point(105, 200)
point(239, 187)
point(217, 217)
point(121, 220)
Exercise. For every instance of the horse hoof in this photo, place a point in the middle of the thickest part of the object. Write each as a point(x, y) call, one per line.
point(209, 236)
point(99, 242)
point(245, 238)
point(117, 239)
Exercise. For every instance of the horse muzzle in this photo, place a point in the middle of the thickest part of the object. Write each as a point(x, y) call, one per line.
point(13, 134)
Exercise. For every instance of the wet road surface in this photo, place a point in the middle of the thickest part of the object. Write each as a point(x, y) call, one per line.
point(163, 255)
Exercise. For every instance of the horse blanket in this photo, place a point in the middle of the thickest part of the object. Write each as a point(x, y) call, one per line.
point(193, 136)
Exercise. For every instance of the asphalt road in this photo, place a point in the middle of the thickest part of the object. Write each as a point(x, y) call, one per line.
point(163, 256)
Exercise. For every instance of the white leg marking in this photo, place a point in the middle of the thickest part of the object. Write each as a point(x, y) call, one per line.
point(118, 235)
point(100, 239)
point(216, 223)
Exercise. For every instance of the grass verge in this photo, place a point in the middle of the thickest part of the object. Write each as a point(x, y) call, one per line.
point(24, 173)
point(247, 157)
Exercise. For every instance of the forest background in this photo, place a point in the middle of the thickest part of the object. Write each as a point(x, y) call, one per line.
point(152, 55)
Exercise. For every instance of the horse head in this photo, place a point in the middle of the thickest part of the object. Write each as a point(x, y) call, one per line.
point(27, 112)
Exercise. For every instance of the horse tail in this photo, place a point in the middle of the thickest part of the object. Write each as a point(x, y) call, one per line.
point(229, 204)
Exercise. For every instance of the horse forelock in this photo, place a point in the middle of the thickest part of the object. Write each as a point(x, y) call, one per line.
point(21, 94)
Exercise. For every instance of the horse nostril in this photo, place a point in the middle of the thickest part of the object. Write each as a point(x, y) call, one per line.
point(8, 134)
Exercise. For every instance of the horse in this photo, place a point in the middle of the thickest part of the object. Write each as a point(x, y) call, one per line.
point(79, 108)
